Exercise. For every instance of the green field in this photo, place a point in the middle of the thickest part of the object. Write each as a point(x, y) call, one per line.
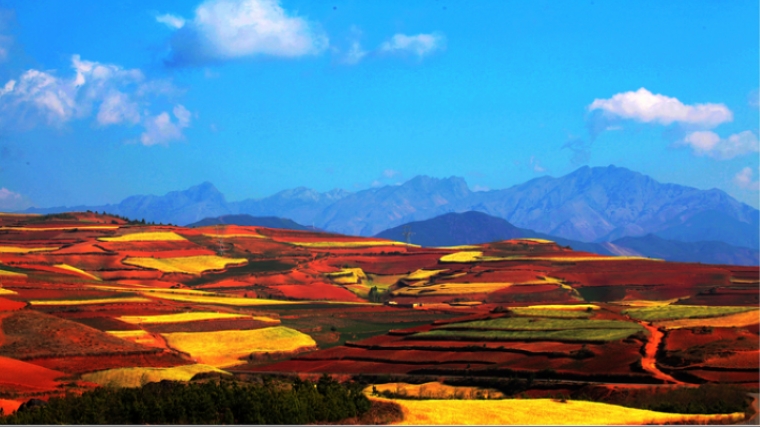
point(571, 335)
point(542, 324)
point(541, 312)
point(674, 312)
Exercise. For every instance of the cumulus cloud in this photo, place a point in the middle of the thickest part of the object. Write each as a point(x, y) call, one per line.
point(171, 21)
point(644, 106)
point(161, 129)
point(223, 30)
point(11, 201)
point(420, 44)
point(744, 180)
point(711, 144)
point(116, 94)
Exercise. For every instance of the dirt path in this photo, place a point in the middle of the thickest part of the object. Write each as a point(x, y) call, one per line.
point(755, 420)
point(648, 362)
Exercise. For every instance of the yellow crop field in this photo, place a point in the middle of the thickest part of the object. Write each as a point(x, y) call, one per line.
point(78, 271)
point(235, 235)
point(540, 412)
point(86, 227)
point(151, 236)
point(11, 273)
point(452, 289)
point(4, 291)
point(129, 334)
point(423, 274)
point(536, 240)
point(354, 244)
point(190, 265)
point(646, 303)
point(190, 317)
point(89, 301)
point(347, 276)
point(224, 348)
point(235, 301)
point(23, 250)
point(459, 247)
point(139, 337)
point(436, 390)
point(731, 321)
point(464, 256)
point(136, 377)
point(564, 307)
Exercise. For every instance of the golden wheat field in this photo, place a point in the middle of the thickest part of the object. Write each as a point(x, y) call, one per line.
point(224, 348)
point(731, 321)
point(646, 303)
point(136, 377)
point(140, 337)
point(88, 301)
point(4, 291)
point(423, 274)
point(452, 289)
point(347, 276)
point(190, 317)
point(11, 273)
point(190, 265)
point(148, 236)
point(23, 250)
point(539, 412)
point(564, 307)
point(77, 270)
point(222, 300)
point(356, 244)
point(464, 256)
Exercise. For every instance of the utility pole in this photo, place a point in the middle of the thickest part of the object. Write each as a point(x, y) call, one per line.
point(407, 233)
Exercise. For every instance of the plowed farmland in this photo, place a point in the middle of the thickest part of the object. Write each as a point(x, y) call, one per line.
point(88, 298)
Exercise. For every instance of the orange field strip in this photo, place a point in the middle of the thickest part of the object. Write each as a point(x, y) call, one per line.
point(90, 301)
point(23, 250)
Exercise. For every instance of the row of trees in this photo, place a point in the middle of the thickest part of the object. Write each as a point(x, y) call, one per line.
point(210, 402)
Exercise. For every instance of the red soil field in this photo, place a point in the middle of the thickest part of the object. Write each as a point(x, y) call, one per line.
point(62, 294)
point(168, 253)
point(9, 406)
point(101, 323)
point(726, 376)
point(228, 283)
point(81, 248)
point(133, 273)
point(681, 339)
point(348, 367)
point(534, 294)
point(10, 305)
point(84, 364)
point(317, 291)
point(607, 273)
point(396, 264)
point(19, 376)
point(738, 360)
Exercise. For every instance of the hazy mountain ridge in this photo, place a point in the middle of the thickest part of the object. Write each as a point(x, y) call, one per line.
point(600, 204)
point(476, 227)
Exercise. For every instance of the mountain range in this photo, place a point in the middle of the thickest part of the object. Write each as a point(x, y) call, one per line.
point(469, 228)
point(591, 205)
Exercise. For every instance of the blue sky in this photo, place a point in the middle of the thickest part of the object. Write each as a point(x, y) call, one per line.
point(103, 100)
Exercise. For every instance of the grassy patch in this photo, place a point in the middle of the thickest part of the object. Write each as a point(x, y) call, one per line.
point(542, 324)
point(183, 317)
point(571, 335)
point(542, 312)
point(137, 377)
point(674, 312)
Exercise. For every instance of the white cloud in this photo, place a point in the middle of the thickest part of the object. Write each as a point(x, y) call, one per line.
point(161, 129)
point(355, 54)
point(711, 144)
point(420, 44)
point(171, 21)
point(644, 106)
point(11, 201)
point(117, 108)
point(744, 180)
point(390, 173)
point(229, 29)
point(117, 95)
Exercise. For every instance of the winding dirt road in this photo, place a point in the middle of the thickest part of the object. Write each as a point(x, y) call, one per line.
point(648, 362)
